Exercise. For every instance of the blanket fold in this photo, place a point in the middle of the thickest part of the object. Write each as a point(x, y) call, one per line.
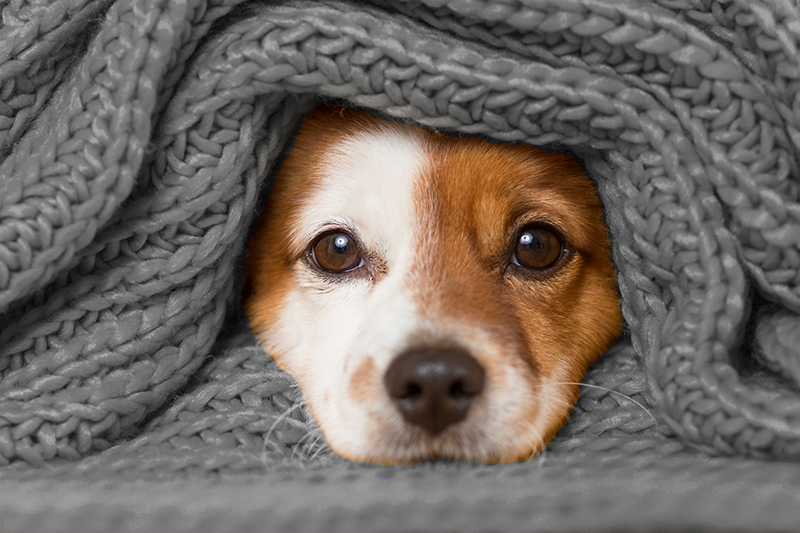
point(138, 139)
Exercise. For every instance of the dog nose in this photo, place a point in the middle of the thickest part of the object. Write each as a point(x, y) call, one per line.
point(434, 388)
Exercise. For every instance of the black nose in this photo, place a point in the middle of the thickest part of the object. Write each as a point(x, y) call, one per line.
point(434, 388)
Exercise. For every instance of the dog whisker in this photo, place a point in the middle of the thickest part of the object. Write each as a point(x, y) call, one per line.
point(626, 396)
point(538, 397)
point(312, 443)
point(543, 450)
point(301, 446)
point(277, 421)
point(542, 445)
point(321, 448)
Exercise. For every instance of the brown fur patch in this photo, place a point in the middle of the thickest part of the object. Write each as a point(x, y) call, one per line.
point(475, 199)
point(363, 382)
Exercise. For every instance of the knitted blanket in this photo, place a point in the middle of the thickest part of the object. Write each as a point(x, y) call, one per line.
point(138, 143)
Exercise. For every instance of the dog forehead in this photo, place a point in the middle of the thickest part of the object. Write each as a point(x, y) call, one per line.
point(367, 182)
point(402, 188)
point(483, 191)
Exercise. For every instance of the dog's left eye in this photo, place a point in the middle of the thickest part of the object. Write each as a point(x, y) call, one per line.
point(336, 251)
point(539, 247)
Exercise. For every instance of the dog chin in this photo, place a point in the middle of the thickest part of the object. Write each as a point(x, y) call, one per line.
point(411, 445)
point(440, 450)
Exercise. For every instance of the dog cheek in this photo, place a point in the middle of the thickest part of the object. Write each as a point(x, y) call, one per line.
point(321, 333)
point(298, 337)
point(544, 329)
point(599, 321)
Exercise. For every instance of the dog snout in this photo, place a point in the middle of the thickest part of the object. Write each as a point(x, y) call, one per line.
point(434, 388)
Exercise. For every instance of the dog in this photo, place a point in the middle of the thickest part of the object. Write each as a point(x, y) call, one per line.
point(436, 298)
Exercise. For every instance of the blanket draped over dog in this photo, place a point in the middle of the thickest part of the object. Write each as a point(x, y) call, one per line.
point(138, 140)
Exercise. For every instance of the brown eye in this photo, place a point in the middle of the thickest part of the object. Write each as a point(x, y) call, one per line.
point(336, 252)
point(538, 247)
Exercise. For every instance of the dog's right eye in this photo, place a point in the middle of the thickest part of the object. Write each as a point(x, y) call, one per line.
point(336, 252)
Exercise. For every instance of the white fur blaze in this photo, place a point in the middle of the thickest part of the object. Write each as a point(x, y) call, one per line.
point(325, 331)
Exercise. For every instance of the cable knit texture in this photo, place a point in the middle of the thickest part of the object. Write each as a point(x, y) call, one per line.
point(138, 140)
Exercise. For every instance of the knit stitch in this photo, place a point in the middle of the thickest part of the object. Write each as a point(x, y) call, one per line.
point(138, 139)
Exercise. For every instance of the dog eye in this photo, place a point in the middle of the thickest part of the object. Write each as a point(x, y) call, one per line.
point(336, 252)
point(538, 247)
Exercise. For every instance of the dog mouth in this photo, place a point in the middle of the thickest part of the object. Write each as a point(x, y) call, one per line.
point(485, 435)
point(412, 446)
point(415, 445)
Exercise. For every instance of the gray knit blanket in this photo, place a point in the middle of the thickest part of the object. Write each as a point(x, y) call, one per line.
point(139, 140)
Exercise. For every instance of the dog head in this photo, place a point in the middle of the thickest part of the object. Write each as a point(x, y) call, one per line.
point(434, 297)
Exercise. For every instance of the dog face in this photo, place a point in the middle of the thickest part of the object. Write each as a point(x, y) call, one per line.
point(434, 297)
